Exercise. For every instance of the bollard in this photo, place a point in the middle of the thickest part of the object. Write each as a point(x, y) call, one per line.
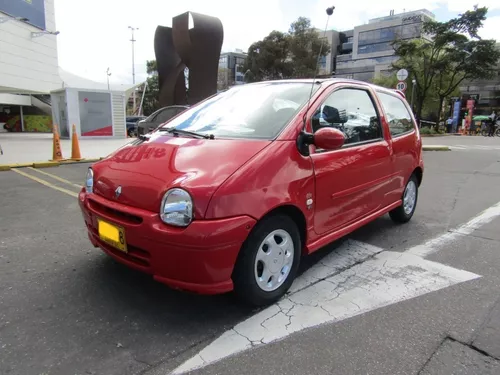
point(75, 146)
point(56, 145)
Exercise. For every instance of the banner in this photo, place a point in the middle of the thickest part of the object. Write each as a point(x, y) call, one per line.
point(456, 113)
point(33, 10)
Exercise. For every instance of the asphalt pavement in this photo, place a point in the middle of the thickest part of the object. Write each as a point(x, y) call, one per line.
point(67, 308)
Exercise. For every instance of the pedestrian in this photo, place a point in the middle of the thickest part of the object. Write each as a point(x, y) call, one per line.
point(493, 118)
point(449, 124)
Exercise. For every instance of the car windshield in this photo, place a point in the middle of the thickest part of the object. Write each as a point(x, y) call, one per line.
point(258, 111)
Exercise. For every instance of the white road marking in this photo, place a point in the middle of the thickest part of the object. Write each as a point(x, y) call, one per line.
point(475, 147)
point(432, 245)
point(354, 279)
point(347, 255)
point(387, 278)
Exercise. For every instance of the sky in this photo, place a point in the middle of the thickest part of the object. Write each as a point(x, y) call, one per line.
point(94, 34)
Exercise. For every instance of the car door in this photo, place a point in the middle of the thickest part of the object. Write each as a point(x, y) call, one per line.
point(405, 142)
point(353, 181)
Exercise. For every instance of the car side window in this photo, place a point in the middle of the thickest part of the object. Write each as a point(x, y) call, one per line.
point(165, 115)
point(351, 111)
point(397, 114)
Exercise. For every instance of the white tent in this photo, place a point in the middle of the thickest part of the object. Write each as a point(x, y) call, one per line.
point(95, 110)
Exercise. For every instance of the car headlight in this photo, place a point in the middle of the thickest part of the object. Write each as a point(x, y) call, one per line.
point(176, 208)
point(89, 181)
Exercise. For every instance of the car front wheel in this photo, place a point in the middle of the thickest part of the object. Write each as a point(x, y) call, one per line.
point(404, 213)
point(268, 261)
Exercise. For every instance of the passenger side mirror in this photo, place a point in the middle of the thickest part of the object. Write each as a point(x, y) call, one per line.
point(329, 139)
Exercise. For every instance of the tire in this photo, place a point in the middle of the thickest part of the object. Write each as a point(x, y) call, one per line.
point(404, 213)
point(250, 265)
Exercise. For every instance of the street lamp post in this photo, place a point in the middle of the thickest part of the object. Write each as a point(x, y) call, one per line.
point(132, 29)
point(108, 73)
point(413, 83)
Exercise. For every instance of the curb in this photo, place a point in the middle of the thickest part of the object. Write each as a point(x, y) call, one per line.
point(440, 135)
point(46, 164)
point(436, 148)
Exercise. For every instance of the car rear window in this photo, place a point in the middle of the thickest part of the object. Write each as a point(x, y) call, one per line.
point(396, 114)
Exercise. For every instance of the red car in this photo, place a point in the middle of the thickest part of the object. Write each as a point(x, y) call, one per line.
point(231, 193)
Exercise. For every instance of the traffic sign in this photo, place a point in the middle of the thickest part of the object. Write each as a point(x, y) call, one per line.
point(402, 74)
point(401, 86)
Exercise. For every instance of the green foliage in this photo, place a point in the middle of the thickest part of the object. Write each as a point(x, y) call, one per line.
point(152, 94)
point(450, 53)
point(389, 81)
point(285, 55)
point(305, 46)
point(428, 131)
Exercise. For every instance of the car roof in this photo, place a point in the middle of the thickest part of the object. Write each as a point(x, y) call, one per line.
point(331, 81)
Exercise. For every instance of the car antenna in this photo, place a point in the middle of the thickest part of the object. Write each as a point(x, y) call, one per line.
point(329, 12)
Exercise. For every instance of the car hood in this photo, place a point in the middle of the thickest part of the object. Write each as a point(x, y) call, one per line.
point(145, 170)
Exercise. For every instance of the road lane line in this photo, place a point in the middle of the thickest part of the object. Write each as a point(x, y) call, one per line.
point(386, 278)
point(434, 244)
point(369, 278)
point(46, 183)
point(60, 179)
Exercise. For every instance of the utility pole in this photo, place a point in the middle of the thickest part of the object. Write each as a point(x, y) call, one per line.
point(413, 83)
point(132, 29)
point(108, 73)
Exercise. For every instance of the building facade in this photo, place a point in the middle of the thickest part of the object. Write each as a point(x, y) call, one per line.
point(28, 47)
point(366, 51)
point(326, 64)
point(230, 68)
point(36, 93)
point(29, 68)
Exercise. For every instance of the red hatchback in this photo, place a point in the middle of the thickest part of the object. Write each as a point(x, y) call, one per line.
point(232, 192)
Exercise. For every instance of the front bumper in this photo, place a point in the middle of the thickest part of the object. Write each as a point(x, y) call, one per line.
point(199, 258)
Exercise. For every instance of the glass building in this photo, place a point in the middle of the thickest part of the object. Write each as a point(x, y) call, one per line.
point(230, 67)
point(366, 51)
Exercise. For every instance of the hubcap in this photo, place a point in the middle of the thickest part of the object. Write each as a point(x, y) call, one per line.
point(410, 197)
point(274, 260)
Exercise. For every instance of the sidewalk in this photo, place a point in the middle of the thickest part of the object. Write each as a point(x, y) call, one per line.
point(37, 147)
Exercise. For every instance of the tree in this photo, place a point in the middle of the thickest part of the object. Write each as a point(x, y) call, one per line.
point(286, 55)
point(268, 59)
point(151, 102)
point(450, 53)
point(388, 81)
point(305, 48)
point(223, 78)
point(430, 104)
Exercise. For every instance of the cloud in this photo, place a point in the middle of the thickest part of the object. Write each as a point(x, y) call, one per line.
point(95, 35)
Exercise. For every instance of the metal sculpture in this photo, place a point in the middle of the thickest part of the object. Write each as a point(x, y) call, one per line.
point(197, 48)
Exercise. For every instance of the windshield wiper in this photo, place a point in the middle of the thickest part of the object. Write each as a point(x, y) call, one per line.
point(144, 137)
point(176, 132)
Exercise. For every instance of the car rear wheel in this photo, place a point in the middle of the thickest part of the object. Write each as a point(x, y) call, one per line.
point(404, 213)
point(268, 261)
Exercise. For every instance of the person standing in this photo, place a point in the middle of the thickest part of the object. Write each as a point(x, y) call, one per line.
point(449, 124)
point(493, 118)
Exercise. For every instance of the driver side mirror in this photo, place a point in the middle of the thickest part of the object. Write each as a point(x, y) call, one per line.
point(328, 139)
point(325, 138)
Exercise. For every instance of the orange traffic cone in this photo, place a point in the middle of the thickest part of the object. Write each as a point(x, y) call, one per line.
point(75, 146)
point(56, 145)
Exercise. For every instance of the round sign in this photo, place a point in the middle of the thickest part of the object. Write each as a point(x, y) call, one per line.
point(401, 86)
point(402, 74)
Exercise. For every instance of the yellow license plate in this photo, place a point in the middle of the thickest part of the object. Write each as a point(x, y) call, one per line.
point(112, 234)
